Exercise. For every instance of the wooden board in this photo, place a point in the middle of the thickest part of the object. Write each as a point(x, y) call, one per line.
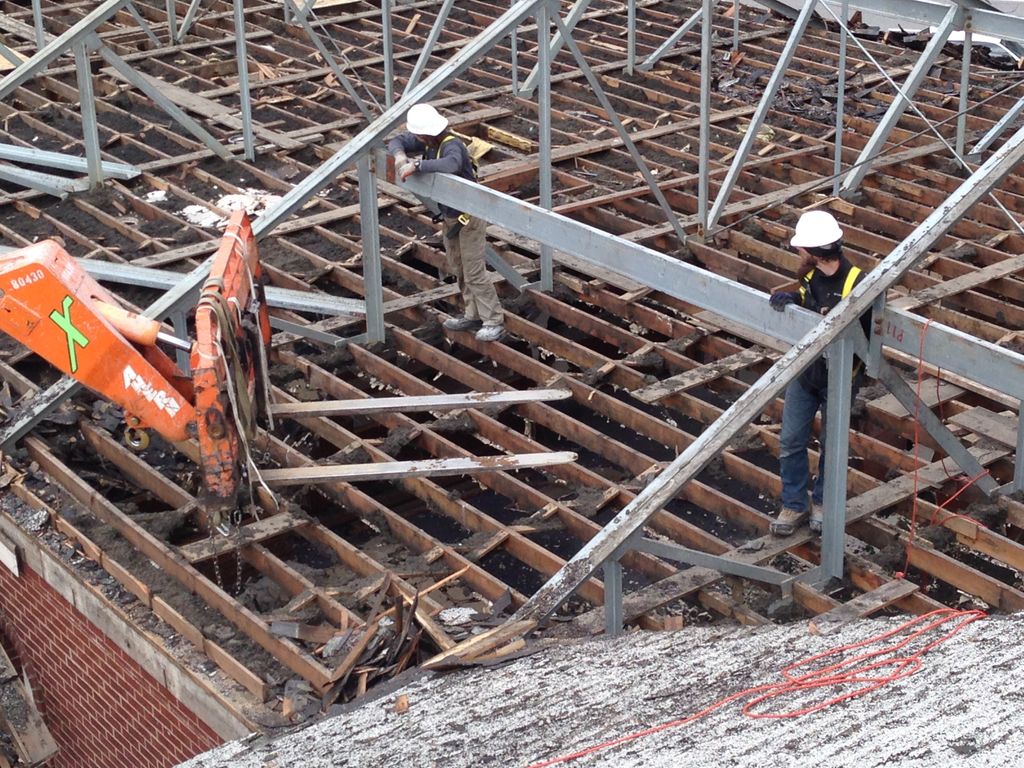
point(261, 530)
point(210, 109)
point(862, 605)
point(371, 405)
point(394, 470)
point(929, 397)
point(695, 377)
point(960, 284)
point(21, 719)
point(5, 65)
point(999, 427)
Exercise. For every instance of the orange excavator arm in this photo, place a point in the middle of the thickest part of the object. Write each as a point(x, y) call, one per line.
point(53, 307)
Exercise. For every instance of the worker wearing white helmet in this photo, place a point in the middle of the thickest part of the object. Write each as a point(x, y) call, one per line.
point(826, 278)
point(441, 151)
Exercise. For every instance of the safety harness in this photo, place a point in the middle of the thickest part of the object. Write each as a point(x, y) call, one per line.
point(851, 279)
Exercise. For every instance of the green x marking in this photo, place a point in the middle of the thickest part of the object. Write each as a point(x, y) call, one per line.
point(75, 336)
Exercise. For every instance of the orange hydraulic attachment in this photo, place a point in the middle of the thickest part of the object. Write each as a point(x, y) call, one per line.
point(53, 307)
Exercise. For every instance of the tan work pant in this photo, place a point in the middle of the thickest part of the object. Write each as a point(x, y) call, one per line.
point(464, 257)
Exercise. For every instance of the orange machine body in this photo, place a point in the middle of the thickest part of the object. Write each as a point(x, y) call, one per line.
point(53, 307)
point(49, 304)
point(232, 331)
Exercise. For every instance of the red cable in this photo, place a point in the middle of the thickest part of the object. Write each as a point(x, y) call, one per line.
point(917, 441)
point(843, 672)
point(839, 673)
point(917, 444)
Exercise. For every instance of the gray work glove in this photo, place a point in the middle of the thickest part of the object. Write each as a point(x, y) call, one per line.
point(778, 301)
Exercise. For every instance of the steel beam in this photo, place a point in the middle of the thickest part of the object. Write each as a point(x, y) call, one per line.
point(766, 103)
point(965, 84)
point(646, 266)
point(933, 425)
point(506, 270)
point(874, 146)
point(172, 20)
point(727, 565)
point(389, 54)
point(996, 130)
point(630, 36)
point(242, 56)
point(60, 161)
point(837, 450)
point(279, 298)
point(752, 402)
point(572, 18)
point(944, 347)
point(58, 46)
point(374, 133)
point(954, 351)
point(665, 48)
point(428, 47)
point(143, 25)
point(190, 17)
point(373, 289)
point(612, 597)
point(627, 141)
point(330, 62)
point(904, 12)
point(14, 59)
point(513, 47)
point(313, 333)
point(37, 21)
point(704, 133)
point(58, 186)
point(837, 145)
point(152, 90)
point(543, 68)
point(87, 109)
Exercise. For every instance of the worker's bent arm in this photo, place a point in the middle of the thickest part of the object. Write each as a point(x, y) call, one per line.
point(405, 144)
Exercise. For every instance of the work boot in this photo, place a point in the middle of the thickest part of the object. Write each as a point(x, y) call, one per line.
point(461, 323)
point(817, 518)
point(787, 522)
point(490, 333)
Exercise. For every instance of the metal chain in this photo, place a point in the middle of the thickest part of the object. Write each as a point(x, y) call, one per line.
point(216, 559)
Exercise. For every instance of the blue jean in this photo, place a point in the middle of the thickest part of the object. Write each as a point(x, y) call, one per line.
point(801, 404)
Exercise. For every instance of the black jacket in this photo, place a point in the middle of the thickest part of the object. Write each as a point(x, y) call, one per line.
point(451, 156)
point(820, 293)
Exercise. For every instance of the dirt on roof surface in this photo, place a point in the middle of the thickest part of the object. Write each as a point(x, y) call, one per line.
point(962, 707)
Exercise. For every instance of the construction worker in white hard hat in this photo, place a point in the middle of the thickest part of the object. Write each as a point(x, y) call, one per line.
point(826, 278)
point(441, 151)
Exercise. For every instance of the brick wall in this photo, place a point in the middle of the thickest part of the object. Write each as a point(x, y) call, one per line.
point(104, 710)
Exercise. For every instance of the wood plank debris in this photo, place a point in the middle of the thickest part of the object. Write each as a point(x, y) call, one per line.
point(862, 605)
point(701, 375)
point(402, 469)
point(261, 530)
point(1001, 427)
point(416, 403)
point(20, 717)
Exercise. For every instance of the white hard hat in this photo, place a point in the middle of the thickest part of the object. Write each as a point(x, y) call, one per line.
point(424, 120)
point(816, 229)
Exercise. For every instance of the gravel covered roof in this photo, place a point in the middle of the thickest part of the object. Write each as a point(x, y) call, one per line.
point(961, 707)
